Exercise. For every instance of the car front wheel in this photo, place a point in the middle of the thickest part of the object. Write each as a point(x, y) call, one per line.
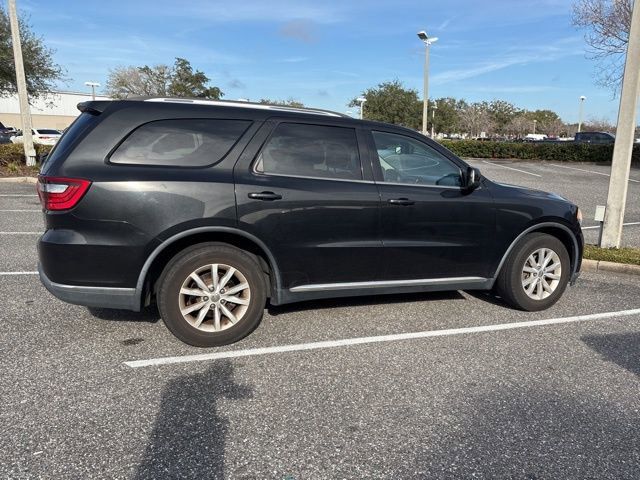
point(535, 274)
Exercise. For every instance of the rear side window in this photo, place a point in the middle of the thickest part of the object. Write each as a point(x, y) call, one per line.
point(180, 143)
point(63, 147)
point(311, 151)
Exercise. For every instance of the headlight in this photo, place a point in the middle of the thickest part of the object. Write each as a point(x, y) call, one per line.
point(579, 216)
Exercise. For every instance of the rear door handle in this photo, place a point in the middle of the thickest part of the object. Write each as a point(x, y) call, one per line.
point(268, 196)
point(401, 201)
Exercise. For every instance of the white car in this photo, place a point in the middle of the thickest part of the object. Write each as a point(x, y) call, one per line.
point(41, 136)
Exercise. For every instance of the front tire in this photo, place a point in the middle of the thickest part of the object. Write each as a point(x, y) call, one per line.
point(211, 295)
point(536, 273)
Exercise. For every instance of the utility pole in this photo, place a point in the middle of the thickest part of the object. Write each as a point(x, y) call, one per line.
point(428, 41)
point(27, 138)
point(623, 147)
point(433, 119)
point(93, 86)
point(581, 112)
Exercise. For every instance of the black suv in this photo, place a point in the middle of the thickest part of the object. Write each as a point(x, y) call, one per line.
point(596, 138)
point(211, 209)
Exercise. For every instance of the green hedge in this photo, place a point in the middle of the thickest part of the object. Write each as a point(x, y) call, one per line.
point(14, 153)
point(557, 152)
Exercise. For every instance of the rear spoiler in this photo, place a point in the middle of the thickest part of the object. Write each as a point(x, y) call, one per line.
point(94, 107)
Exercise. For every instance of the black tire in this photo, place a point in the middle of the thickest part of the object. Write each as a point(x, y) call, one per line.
point(188, 261)
point(509, 283)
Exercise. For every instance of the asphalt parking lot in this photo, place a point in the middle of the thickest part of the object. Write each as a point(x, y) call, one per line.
point(447, 385)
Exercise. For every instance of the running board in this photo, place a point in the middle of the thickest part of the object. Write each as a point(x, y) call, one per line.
point(319, 287)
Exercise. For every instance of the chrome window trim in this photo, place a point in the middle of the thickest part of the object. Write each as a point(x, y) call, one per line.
point(263, 174)
point(385, 283)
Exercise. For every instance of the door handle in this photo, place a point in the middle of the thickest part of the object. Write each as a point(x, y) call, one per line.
point(401, 201)
point(268, 196)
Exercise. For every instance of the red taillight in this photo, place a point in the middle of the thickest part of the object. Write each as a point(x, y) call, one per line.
point(58, 193)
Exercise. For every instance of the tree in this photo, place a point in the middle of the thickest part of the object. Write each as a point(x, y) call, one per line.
point(41, 71)
point(519, 126)
point(161, 80)
point(599, 125)
point(284, 103)
point(501, 113)
point(607, 23)
point(392, 103)
point(547, 121)
point(476, 119)
point(447, 115)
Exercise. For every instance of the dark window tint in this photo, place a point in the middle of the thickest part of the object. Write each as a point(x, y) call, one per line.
point(47, 132)
point(79, 127)
point(405, 160)
point(182, 143)
point(311, 151)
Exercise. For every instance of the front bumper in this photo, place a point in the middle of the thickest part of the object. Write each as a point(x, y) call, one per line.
point(100, 297)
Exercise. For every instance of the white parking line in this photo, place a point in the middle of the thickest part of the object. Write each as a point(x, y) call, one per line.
point(511, 168)
point(598, 226)
point(20, 233)
point(589, 171)
point(378, 339)
point(18, 210)
point(16, 195)
point(17, 273)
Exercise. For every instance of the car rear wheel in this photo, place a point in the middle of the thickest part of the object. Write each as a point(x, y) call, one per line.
point(211, 295)
point(535, 274)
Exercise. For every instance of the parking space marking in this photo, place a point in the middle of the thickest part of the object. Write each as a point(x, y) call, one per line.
point(377, 339)
point(589, 171)
point(17, 273)
point(20, 233)
point(511, 168)
point(598, 226)
point(24, 211)
point(17, 195)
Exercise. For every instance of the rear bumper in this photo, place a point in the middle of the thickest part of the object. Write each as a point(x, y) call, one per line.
point(101, 297)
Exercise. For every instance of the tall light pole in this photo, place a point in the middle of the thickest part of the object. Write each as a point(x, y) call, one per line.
point(422, 35)
point(361, 100)
point(623, 147)
point(535, 122)
point(21, 83)
point(580, 112)
point(93, 86)
point(433, 118)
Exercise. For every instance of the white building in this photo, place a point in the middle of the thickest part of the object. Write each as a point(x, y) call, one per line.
point(53, 110)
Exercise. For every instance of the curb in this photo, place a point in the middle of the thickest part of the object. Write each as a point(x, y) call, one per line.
point(18, 180)
point(604, 266)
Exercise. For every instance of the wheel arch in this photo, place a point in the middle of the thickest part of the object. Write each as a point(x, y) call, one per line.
point(555, 229)
point(156, 261)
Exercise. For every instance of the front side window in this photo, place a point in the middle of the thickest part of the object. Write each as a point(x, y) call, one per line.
point(405, 160)
point(311, 151)
point(180, 143)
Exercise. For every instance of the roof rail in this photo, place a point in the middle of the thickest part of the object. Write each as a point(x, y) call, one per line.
point(242, 104)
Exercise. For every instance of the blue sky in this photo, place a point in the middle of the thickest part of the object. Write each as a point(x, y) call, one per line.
point(324, 53)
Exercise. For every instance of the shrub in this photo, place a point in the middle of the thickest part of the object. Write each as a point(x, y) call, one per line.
point(556, 152)
point(14, 153)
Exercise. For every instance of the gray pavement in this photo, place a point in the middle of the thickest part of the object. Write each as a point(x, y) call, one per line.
point(555, 401)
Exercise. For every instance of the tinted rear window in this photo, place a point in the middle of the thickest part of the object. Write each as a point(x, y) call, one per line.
point(64, 145)
point(182, 143)
point(48, 132)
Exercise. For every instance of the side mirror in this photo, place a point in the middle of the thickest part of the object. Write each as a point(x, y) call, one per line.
point(472, 179)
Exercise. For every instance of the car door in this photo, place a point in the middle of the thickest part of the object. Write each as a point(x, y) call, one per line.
point(301, 189)
point(431, 227)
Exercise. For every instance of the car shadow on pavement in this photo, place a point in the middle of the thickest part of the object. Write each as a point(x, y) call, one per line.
point(620, 348)
point(189, 436)
point(148, 314)
point(359, 301)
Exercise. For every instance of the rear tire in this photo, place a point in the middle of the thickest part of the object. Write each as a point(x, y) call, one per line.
point(535, 274)
point(212, 294)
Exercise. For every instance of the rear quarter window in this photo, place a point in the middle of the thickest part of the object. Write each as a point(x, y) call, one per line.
point(180, 143)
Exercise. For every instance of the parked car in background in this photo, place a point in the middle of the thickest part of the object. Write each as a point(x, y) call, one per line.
point(596, 138)
point(41, 136)
point(4, 138)
point(535, 137)
point(212, 209)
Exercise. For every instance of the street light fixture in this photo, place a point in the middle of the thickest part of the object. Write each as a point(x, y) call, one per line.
point(93, 86)
point(582, 99)
point(361, 100)
point(535, 122)
point(428, 41)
